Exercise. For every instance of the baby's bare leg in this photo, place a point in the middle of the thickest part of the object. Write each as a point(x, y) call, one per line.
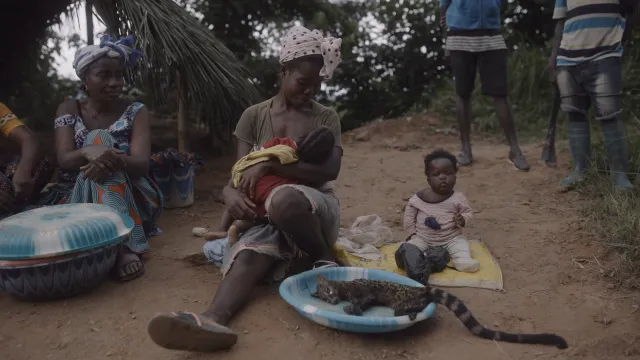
point(238, 227)
point(242, 225)
point(461, 255)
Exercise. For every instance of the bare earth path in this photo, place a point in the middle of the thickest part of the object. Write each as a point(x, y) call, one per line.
point(534, 232)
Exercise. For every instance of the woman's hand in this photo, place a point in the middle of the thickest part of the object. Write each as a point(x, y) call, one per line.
point(94, 173)
point(251, 176)
point(238, 204)
point(107, 159)
point(23, 183)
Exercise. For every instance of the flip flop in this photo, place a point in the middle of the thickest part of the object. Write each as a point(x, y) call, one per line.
point(186, 331)
point(322, 264)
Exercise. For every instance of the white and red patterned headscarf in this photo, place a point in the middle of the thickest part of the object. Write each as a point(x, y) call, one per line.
point(300, 41)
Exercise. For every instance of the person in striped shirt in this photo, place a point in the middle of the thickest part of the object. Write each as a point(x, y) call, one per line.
point(475, 44)
point(585, 59)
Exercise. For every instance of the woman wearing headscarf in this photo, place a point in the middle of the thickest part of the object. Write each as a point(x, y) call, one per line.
point(21, 177)
point(103, 147)
point(304, 219)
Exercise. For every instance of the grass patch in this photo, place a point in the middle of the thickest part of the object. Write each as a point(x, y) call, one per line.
point(613, 216)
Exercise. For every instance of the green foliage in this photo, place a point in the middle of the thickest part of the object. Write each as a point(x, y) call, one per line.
point(392, 51)
point(37, 97)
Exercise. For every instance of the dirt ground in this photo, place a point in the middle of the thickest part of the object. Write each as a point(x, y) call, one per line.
point(552, 272)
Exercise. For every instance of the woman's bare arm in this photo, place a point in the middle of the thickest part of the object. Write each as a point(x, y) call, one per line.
point(29, 148)
point(69, 158)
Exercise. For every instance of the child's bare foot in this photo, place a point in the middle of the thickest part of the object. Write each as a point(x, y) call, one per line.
point(233, 235)
point(215, 235)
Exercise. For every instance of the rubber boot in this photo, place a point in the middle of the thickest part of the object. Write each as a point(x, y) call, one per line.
point(411, 259)
point(580, 146)
point(615, 144)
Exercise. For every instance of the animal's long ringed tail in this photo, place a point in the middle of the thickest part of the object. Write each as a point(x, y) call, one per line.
point(470, 322)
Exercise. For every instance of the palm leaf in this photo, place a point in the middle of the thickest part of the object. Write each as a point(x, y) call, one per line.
point(174, 41)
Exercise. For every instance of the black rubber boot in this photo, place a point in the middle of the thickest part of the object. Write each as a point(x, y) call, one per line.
point(580, 146)
point(411, 259)
point(615, 144)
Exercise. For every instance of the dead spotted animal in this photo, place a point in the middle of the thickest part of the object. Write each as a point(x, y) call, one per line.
point(410, 300)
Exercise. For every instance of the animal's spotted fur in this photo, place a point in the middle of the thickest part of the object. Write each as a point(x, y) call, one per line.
point(410, 300)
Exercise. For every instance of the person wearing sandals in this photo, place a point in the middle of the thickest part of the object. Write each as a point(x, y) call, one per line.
point(475, 45)
point(103, 146)
point(303, 219)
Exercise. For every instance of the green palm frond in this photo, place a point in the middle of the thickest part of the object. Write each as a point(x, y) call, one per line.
point(173, 41)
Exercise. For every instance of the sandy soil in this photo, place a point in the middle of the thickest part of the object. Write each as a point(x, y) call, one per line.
point(553, 272)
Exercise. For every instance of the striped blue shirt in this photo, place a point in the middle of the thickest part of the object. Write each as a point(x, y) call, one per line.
point(592, 30)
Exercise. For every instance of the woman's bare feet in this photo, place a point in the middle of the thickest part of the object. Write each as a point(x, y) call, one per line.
point(128, 266)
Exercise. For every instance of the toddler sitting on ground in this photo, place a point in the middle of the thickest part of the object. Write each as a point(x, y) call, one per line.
point(314, 147)
point(435, 217)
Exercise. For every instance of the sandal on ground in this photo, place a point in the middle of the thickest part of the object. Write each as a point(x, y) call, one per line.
point(190, 332)
point(122, 272)
point(323, 264)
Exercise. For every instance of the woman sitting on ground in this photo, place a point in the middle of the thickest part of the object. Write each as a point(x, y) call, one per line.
point(21, 177)
point(103, 147)
point(308, 214)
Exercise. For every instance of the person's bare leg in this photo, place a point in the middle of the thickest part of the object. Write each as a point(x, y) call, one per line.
point(207, 332)
point(290, 211)
point(247, 270)
point(463, 112)
point(505, 116)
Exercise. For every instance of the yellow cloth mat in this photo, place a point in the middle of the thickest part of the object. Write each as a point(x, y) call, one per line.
point(488, 277)
point(285, 154)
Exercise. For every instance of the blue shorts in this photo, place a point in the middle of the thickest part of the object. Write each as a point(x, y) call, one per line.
point(598, 82)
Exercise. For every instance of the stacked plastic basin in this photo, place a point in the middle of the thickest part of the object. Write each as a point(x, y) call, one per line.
point(59, 251)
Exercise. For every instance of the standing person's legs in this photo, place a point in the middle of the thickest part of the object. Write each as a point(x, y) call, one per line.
point(575, 102)
point(492, 66)
point(605, 87)
point(464, 65)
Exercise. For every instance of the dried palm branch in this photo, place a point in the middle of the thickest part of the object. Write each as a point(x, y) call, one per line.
point(174, 42)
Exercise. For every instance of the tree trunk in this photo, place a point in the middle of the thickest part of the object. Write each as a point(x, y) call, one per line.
point(182, 113)
point(88, 10)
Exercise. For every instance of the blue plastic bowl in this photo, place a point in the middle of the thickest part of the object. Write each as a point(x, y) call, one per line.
point(296, 290)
